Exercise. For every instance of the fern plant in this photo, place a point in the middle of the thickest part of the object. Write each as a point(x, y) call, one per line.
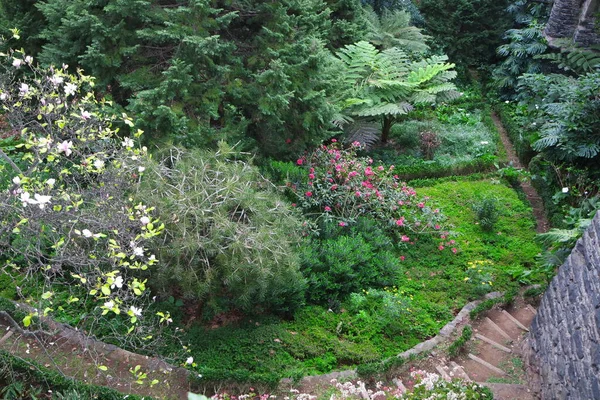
point(387, 84)
point(393, 29)
point(577, 60)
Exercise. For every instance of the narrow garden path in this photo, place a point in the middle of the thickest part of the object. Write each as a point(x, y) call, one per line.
point(534, 198)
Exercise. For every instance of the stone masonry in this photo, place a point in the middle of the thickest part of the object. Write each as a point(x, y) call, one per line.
point(565, 334)
point(574, 19)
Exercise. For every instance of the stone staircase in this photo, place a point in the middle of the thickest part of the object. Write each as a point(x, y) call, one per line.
point(494, 354)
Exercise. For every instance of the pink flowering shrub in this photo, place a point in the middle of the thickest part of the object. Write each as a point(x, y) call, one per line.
point(343, 186)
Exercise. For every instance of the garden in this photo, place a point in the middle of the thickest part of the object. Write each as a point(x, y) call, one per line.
point(297, 188)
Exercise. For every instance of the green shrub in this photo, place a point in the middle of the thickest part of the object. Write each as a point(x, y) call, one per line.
point(230, 239)
point(458, 345)
point(343, 260)
point(487, 213)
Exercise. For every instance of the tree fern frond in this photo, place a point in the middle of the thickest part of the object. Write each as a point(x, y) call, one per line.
point(385, 109)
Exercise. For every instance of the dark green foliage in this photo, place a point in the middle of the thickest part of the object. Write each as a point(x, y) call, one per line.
point(569, 108)
point(578, 60)
point(459, 344)
point(467, 30)
point(24, 16)
point(487, 213)
point(343, 260)
point(520, 55)
point(251, 71)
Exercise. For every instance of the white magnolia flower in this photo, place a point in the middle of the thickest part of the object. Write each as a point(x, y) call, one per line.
point(109, 304)
point(189, 360)
point(99, 164)
point(86, 115)
point(26, 199)
point(565, 190)
point(128, 142)
point(17, 62)
point(145, 220)
point(16, 180)
point(65, 147)
point(3, 96)
point(57, 80)
point(141, 169)
point(87, 233)
point(28, 59)
point(41, 200)
point(138, 251)
point(136, 311)
point(118, 283)
point(70, 89)
point(23, 89)
point(51, 182)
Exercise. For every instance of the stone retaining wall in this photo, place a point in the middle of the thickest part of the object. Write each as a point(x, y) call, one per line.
point(574, 19)
point(565, 334)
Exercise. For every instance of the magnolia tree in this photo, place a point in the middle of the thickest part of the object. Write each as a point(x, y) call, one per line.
point(66, 213)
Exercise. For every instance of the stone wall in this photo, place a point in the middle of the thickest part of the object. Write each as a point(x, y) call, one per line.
point(574, 19)
point(565, 334)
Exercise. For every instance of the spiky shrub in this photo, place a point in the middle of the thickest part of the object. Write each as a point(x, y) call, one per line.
point(429, 143)
point(230, 241)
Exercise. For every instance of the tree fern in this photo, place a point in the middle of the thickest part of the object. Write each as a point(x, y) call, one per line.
point(393, 30)
point(388, 83)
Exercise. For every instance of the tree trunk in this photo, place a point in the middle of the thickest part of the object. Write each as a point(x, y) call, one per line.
point(388, 121)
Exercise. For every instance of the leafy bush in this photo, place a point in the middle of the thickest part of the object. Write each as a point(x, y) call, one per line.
point(458, 345)
point(487, 213)
point(343, 260)
point(230, 240)
point(344, 187)
point(569, 108)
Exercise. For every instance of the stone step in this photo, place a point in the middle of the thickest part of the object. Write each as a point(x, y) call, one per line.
point(442, 370)
point(498, 329)
point(456, 371)
point(530, 308)
point(506, 391)
point(490, 341)
point(486, 364)
point(515, 321)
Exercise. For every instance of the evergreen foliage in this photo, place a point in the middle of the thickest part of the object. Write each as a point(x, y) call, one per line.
point(196, 72)
point(467, 30)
